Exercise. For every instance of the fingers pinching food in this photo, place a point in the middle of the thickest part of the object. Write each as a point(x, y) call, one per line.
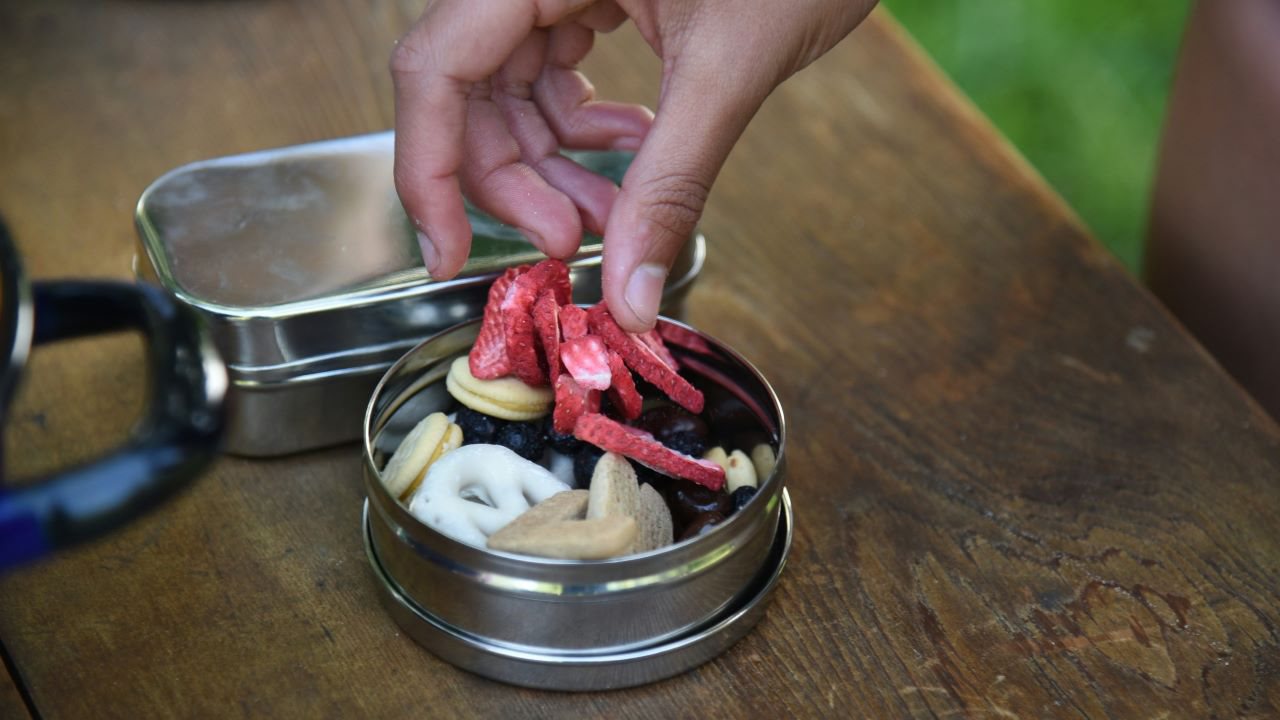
point(508, 398)
point(426, 442)
point(473, 491)
point(557, 528)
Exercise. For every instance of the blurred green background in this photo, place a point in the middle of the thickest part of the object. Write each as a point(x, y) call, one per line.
point(1079, 86)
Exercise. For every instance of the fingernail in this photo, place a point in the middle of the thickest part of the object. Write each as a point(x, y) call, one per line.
point(430, 255)
point(644, 291)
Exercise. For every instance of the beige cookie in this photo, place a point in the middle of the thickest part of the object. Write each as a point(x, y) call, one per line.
point(615, 490)
point(507, 398)
point(557, 528)
point(426, 442)
point(656, 528)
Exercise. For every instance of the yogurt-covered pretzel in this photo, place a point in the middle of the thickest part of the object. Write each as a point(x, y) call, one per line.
point(472, 492)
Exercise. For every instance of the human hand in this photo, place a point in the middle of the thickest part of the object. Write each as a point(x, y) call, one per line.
point(487, 93)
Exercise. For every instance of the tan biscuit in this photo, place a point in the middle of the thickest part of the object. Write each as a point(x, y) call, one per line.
point(656, 528)
point(507, 398)
point(739, 472)
point(615, 490)
point(425, 443)
point(592, 539)
point(567, 505)
point(763, 458)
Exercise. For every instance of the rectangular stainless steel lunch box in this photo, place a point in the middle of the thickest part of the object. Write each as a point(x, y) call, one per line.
point(305, 266)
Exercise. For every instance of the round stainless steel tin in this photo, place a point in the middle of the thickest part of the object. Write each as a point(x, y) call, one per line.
point(573, 609)
point(589, 671)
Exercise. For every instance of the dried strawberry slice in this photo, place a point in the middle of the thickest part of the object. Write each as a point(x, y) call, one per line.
point(653, 342)
point(546, 312)
point(587, 360)
point(639, 356)
point(612, 436)
point(517, 325)
point(683, 337)
point(488, 358)
point(572, 402)
point(573, 322)
point(557, 280)
point(622, 388)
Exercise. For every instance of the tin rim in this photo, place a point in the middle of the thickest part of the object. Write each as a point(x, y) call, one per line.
point(398, 516)
point(588, 671)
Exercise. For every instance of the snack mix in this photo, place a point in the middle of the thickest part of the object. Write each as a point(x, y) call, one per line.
point(554, 451)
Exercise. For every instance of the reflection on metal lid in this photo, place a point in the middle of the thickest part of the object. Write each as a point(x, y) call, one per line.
point(316, 224)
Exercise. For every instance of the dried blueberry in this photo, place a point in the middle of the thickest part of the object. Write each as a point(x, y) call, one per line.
point(740, 497)
point(477, 427)
point(523, 438)
point(584, 463)
point(687, 442)
point(561, 443)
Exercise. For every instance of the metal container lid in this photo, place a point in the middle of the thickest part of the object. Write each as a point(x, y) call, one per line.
point(588, 671)
point(262, 241)
point(308, 271)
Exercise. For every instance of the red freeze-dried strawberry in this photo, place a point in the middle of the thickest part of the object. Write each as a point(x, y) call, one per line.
point(622, 388)
point(573, 322)
point(612, 436)
point(546, 313)
point(557, 280)
point(488, 358)
point(572, 402)
point(653, 342)
point(683, 337)
point(640, 357)
point(587, 360)
point(517, 326)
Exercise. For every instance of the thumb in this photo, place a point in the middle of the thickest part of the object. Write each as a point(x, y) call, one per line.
point(699, 118)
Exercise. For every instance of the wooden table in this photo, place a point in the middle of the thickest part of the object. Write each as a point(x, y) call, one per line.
point(1021, 489)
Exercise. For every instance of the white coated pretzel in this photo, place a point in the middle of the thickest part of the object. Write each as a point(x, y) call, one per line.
point(507, 483)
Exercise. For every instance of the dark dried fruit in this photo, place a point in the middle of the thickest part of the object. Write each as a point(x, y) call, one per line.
point(688, 443)
point(584, 463)
point(740, 497)
point(689, 500)
point(667, 420)
point(702, 525)
point(563, 443)
point(477, 428)
point(525, 439)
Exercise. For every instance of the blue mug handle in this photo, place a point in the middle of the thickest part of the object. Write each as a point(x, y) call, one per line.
point(179, 436)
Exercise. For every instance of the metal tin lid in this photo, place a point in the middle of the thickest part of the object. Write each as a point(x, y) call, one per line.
point(301, 254)
point(308, 272)
point(585, 670)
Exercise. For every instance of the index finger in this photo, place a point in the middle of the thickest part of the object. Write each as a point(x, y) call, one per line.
point(454, 44)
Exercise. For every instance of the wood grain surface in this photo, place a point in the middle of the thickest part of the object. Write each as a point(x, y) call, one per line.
point(1021, 490)
point(11, 704)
